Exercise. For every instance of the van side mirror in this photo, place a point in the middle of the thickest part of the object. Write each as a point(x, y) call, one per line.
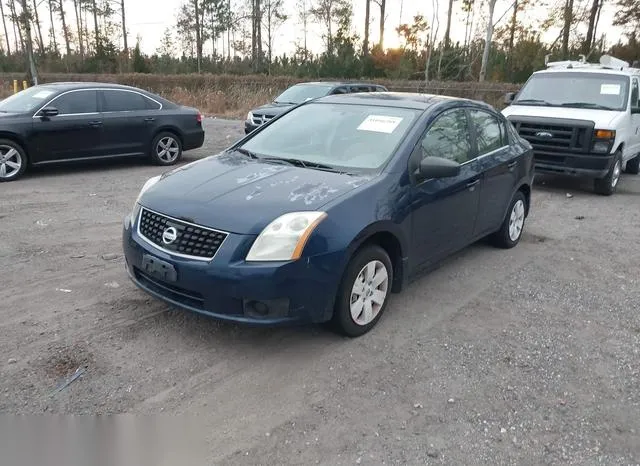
point(509, 97)
point(437, 167)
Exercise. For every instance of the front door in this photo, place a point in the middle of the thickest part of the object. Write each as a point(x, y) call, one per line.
point(129, 121)
point(444, 210)
point(498, 162)
point(74, 133)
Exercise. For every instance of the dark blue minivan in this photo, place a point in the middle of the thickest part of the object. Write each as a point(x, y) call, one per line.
point(321, 213)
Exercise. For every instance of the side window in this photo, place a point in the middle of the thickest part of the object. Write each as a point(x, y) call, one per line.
point(339, 90)
point(76, 102)
point(448, 137)
point(488, 131)
point(123, 101)
point(635, 95)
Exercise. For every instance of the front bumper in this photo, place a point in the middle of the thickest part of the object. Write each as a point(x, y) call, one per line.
point(580, 165)
point(229, 289)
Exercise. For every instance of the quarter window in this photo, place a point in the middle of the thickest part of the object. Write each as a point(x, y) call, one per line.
point(125, 101)
point(635, 97)
point(76, 102)
point(488, 131)
point(448, 137)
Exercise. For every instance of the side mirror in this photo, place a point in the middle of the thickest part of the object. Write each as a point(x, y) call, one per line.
point(49, 112)
point(509, 97)
point(437, 167)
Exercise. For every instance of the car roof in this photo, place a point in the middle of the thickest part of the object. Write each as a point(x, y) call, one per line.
point(411, 100)
point(339, 83)
point(594, 70)
point(66, 86)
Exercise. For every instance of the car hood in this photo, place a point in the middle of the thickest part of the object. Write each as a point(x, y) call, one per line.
point(236, 194)
point(272, 109)
point(602, 119)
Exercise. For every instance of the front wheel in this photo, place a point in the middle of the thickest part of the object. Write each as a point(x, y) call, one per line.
point(13, 160)
point(166, 149)
point(510, 231)
point(364, 292)
point(607, 186)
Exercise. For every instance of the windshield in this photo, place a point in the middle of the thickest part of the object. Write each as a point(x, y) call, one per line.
point(26, 101)
point(344, 137)
point(578, 90)
point(301, 92)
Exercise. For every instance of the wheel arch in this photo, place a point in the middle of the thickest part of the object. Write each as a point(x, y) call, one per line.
point(17, 140)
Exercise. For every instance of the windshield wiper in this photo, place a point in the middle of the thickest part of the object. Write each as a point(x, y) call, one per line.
point(301, 163)
point(286, 103)
point(533, 101)
point(246, 152)
point(586, 105)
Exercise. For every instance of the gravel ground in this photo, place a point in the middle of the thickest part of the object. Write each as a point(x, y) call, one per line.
point(526, 356)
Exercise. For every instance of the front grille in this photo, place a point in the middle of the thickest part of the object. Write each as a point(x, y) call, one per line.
point(190, 240)
point(261, 119)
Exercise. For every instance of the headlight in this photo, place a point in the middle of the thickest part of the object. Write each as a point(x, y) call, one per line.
point(250, 116)
point(145, 187)
point(285, 237)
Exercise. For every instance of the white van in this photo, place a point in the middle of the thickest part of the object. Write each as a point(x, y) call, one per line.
point(582, 119)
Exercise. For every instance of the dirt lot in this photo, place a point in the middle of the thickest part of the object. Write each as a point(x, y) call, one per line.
point(527, 356)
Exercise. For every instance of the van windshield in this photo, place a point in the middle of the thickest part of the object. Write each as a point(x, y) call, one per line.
point(600, 91)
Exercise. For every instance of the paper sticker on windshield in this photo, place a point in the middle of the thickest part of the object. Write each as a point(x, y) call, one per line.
point(42, 94)
point(610, 89)
point(380, 124)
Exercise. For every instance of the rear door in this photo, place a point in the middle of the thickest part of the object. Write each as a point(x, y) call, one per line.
point(75, 133)
point(498, 162)
point(129, 122)
point(634, 133)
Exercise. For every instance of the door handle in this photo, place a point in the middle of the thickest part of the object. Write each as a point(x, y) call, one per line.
point(511, 165)
point(471, 185)
point(95, 123)
point(149, 119)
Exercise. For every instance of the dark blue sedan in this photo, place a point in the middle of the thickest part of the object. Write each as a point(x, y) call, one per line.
point(323, 212)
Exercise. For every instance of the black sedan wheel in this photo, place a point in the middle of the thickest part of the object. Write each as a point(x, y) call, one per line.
point(13, 160)
point(166, 149)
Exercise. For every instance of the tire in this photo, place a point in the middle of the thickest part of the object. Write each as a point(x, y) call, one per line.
point(13, 160)
point(633, 165)
point(166, 149)
point(607, 186)
point(369, 259)
point(510, 232)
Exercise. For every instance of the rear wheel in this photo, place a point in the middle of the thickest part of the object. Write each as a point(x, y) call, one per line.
point(607, 186)
point(13, 160)
point(633, 165)
point(510, 231)
point(364, 292)
point(166, 149)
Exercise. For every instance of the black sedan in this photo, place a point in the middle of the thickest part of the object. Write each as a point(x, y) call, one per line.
point(67, 122)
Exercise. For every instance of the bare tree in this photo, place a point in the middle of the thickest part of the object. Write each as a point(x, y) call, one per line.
point(4, 25)
point(124, 29)
point(487, 40)
point(566, 31)
point(77, 8)
point(273, 17)
point(367, 21)
point(447, 31)
point(303, 16)
point(329, 12)
point(435, 25)
point(53, 43)
point(17, 31)
point(25, 19)
point(596, 7)
point(199, 38)
point(36, 21)
point(256, 34)
point(96, 29)
point(383, 7)
point(65, 29)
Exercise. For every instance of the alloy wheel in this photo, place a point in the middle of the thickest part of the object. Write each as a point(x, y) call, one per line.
point(10, 162)
point(168, 149)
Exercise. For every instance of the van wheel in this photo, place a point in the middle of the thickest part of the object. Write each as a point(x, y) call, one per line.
point(633, 165)
point(364, 292)
point(166, 149)
point(13, 160)
point(607, 186)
